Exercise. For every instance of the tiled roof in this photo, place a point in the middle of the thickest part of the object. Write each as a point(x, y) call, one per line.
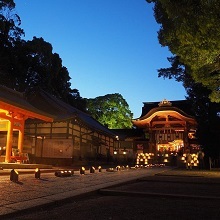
point(184, 105)
point(63, 111)
point(18, 100)
point(164, 108)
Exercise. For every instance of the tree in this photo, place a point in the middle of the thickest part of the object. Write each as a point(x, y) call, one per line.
point(191, 30)
point(207, 113)
point(10, 33)
point(9, 23)
point(74, 99)
point(42, 68)
point(111, 110)
point(30, 65)
point(37, 67)
point(207, 116)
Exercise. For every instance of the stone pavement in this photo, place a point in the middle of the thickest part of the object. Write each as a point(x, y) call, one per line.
point(30, 192)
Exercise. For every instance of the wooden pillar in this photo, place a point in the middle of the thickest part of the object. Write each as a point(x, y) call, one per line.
point(51, 130)
point(21, 137)
point(151, 140)
point(185, 138)
point(9, 140)
point(67, 129)
point(42, 146)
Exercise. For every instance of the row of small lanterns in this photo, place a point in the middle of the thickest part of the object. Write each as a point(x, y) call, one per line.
point(143, 158)
point(67, 173)
point(194, 160)
point(64, 173)
point(14, 174)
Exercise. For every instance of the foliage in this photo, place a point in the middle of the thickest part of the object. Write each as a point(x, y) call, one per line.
point(206, 112)
point(207, 116)
point(111, 110)
point(35, 65)
point(29, 65)
point(191, 30)
point(10, 32)
point(9, 23)
point(74, 99)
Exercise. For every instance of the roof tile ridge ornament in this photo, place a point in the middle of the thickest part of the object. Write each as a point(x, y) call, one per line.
point(165, 102)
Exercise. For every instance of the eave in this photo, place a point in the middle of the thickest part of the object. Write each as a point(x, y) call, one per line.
point(23, 113)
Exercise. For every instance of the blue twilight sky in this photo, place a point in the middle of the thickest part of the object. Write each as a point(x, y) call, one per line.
point(108, 46)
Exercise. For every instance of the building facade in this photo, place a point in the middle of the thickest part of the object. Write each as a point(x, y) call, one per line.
point(168, 127)
point(73, 136)
point(14, 111)
point(50, 131)
point(53, 132)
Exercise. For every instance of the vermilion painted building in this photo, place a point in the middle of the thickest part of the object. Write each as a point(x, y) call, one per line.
point(72, 137)
point(14, 111)
point(169, 127)
point(50, 130)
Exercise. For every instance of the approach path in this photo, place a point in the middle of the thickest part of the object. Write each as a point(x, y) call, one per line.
point(30, 193)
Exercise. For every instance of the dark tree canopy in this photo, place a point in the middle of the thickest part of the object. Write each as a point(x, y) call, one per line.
point(9, 23)
point(37, 66)
point(191, 30)
point(29, 65)
point(10, 32)
point(111, 110)
point(207, 113)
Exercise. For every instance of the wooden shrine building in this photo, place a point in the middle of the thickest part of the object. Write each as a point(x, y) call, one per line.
point(169, 127)
point(74, 137)
point(14, 111)
point(49, 130)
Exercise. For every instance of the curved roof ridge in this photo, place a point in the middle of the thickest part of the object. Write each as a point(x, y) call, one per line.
point(164, 108)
